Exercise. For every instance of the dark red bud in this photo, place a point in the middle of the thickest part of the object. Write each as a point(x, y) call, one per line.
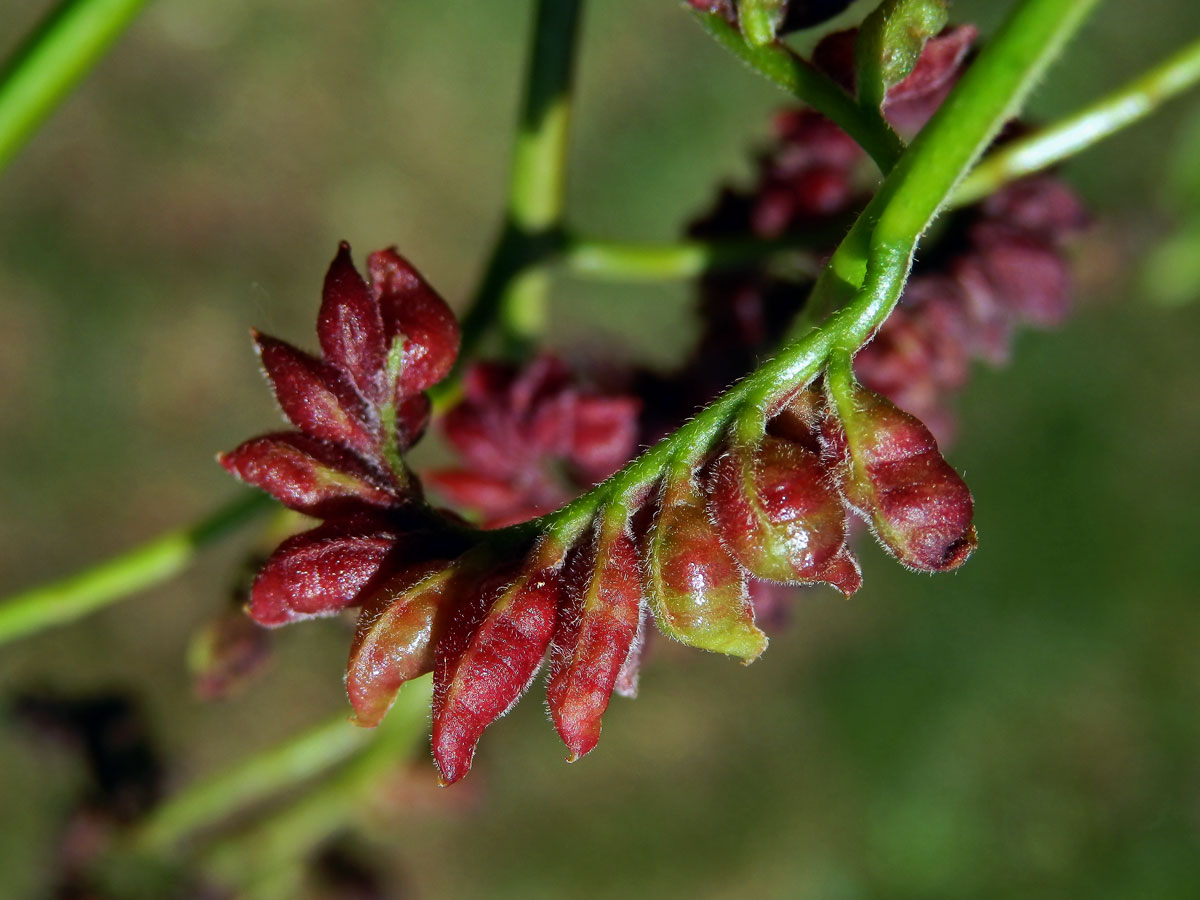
point(777, 511)
point(350, 327)
point(605, 434)
point(308, 475)
point(465, 488)
point(225, 655)
point(695, 588)
point(412, 417)
point(395, 636)
point(918, 506)
point(319, 572)
point(315, 396)
point(490, 653)
point(911, 102)
point(412, 309)
point(597, 626)
point(1024, 272)
point(1041, 204)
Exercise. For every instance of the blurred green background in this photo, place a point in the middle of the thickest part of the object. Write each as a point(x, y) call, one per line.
point(1028, 726)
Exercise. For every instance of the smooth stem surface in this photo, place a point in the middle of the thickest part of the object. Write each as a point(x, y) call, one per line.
point(628, 261)
point(877, 253)
point(782, 67)
point(70, 598)
point(269, 852)
point(52, 60)
point(1090, 125)
point(249, 782)
point(507, 290)
point(513, 290)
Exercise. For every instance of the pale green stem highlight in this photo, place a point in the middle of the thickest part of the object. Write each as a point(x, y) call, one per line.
point(52, 60)
point(67, 599)
point(249, 782)
point(638, 262)
point(1092, 124)
point(513, 290)
point(271, 851)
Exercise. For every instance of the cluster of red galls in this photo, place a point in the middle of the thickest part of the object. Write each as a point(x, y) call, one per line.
point(483, 609)
point(704, 548)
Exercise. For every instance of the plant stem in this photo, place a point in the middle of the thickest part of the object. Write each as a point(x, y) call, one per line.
point(70, 598)
point(52, 60)
point(250, 781)
point(513, 289)
point(781, 66)
point(628, 261)
point(1090, 125)
point(269, 851)
point(875, 257)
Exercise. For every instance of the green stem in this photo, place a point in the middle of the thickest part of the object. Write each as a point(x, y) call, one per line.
point(52, 60)
point(877, 254)
point(628, 261)
point(1090, 125)
point(251, 781)
point(515, 286)
point(782, 67)
point(271, 850)
point(73, 597)
point(513, 289)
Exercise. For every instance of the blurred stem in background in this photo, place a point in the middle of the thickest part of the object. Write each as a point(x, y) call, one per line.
point(251, 781)
point(52, 61)
point(514, 288)
point(1077, 132)
point(810, 86)
point(264, 858)
point(70, 598)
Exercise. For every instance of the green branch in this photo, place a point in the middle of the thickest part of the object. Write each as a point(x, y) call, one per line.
point(73, 597)
point(801, 79)
point(271, 850)
point(252, 780)
point(629, 261)
point(513, 289)
point(52, 60)
point(1090, 125)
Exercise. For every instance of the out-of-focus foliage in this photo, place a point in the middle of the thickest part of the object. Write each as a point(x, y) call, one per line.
point(1026, 726)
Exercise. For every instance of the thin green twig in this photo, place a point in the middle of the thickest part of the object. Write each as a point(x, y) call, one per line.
point(513, 290)
point(801, 79)
point(1092, 124)
point(151, 563)
point(249, 782)
point(270, 851)
point(52, 60)
point(631, 261)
